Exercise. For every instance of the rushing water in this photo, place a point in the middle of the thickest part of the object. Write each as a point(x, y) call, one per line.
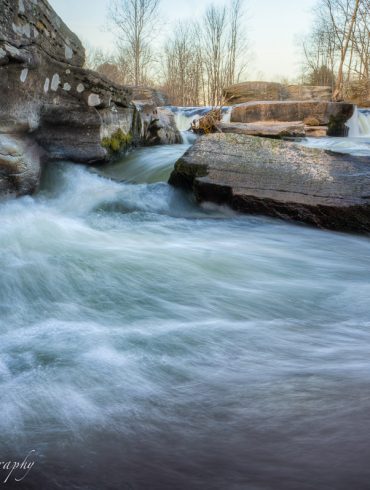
point(357, 142)
point(359, 124)
point(148, 343)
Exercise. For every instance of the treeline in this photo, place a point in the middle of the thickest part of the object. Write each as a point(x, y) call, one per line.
point(197, 60)
point(337, 51)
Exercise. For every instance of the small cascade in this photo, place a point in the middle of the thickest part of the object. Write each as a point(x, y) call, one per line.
point(359, 124)
point(226, 114)
point(185, 116)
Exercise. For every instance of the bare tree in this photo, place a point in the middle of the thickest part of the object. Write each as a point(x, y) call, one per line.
point(134, 22)
point(339, 47)
point(237, 44)
point(96, 57)
point(214, 44)
point(343, 30)
point(183, 65)
point(224, 48)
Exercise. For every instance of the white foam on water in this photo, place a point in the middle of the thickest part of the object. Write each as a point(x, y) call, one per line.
point(141, 330)
point(359, 124)
point(186, 116)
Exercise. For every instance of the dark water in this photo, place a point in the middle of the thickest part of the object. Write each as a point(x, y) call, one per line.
point(148, 343)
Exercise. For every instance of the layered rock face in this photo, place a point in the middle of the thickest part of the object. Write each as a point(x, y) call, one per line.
point(280, 179)
point(265, 129)
point(281, 119)
point(333, 115)
point(45, 90)
point(267, 91)
point(46, 94)
point(291, 111)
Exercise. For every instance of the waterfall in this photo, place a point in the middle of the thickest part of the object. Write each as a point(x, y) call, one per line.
point(185, 116)
point(359, 124)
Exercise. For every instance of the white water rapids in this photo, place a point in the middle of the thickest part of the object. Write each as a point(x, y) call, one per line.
point(149, 343)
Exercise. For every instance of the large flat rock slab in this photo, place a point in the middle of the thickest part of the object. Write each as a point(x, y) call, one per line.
point(286, 111)
point(280, 179)
point(268, 129)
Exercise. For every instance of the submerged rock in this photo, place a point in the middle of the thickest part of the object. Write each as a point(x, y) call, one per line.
point(279, 179)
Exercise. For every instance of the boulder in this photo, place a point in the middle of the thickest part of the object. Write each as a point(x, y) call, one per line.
point(268, 129)
point(307, 93)
point(20, 165)
point(269, 91)
point(250, 91)
point(279, 179)
point(331, 114)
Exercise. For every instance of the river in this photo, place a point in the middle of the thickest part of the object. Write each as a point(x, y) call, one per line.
point(150, 343)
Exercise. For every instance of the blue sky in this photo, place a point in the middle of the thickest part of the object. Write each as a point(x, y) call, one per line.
point(272, 27)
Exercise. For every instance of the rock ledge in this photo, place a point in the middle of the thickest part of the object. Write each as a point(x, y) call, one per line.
point(279, 179)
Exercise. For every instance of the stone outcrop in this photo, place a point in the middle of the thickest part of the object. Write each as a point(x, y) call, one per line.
point(47, 95)
point(279, 179)
point(268, 91)
point(331, 114)
point(251, 112)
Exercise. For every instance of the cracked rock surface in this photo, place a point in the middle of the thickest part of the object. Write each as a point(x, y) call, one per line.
point(280, 179)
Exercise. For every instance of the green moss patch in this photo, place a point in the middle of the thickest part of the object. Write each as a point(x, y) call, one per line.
point(117, 142)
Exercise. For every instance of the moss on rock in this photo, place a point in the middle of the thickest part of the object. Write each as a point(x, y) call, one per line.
point(117, 142)
point(337, 125)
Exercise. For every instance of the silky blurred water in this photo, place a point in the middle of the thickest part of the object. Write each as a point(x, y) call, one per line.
point(149, 343)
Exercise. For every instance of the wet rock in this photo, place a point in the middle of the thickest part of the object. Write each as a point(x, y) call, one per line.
point(20, 165)
point(280, 179)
